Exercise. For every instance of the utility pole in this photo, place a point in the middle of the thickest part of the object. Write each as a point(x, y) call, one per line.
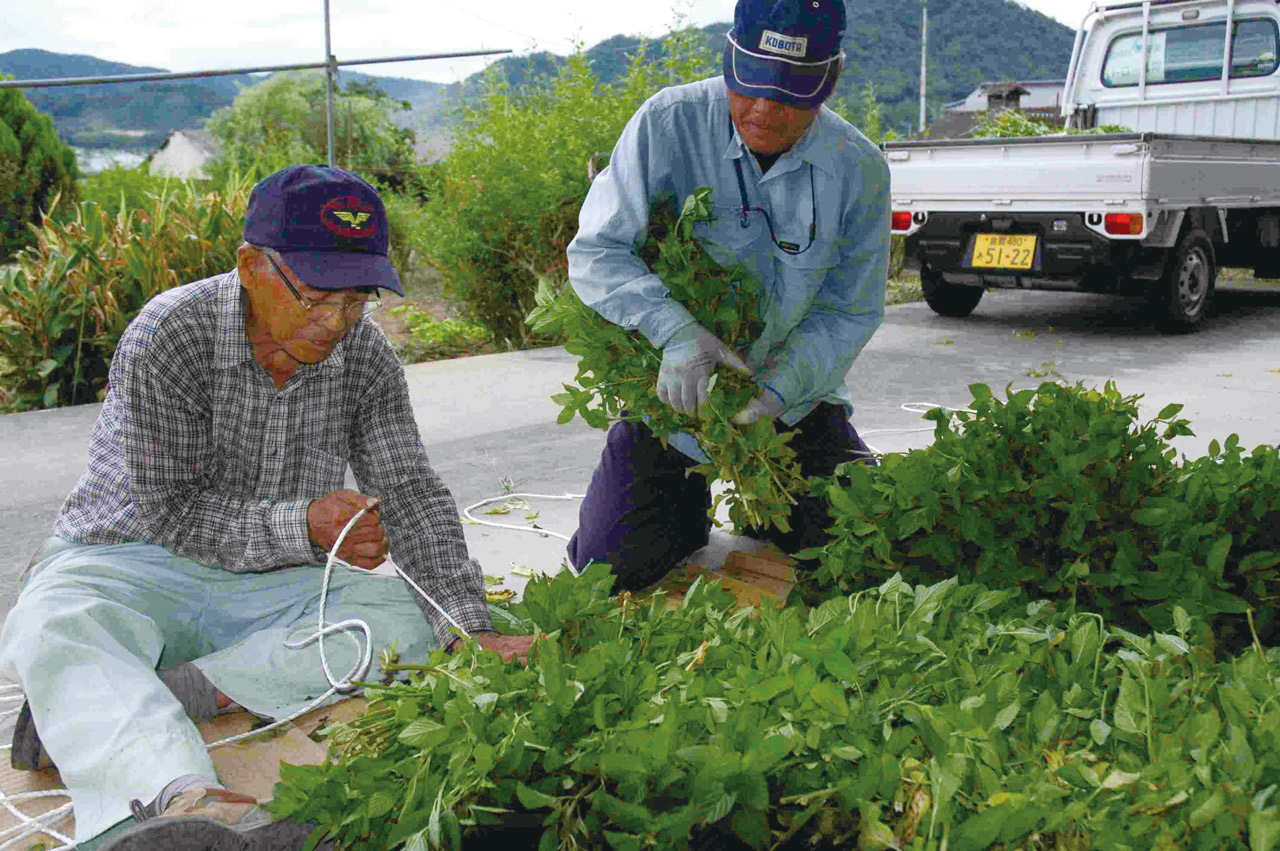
point(924, 62)
point(329, 69)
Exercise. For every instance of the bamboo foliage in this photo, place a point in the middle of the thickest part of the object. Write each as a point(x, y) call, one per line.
point(89, 274)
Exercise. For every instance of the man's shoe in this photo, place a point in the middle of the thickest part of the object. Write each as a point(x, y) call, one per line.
point(27, 754)
point(209, 820)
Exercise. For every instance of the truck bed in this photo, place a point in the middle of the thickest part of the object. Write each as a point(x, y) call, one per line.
point(1055, 174)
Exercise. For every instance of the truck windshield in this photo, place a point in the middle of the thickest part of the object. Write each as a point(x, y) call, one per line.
point(1187, 54)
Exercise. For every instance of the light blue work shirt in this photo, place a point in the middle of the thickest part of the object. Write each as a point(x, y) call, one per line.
point(820, 307)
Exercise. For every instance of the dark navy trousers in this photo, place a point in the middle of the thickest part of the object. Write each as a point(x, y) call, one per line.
point(644, 512)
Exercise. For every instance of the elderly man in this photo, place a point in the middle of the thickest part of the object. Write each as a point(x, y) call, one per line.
point(186, 556)
point(802, 200)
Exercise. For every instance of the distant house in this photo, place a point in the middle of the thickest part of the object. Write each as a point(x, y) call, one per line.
point(1039, 94)
point(183, 154)
point(959, 121)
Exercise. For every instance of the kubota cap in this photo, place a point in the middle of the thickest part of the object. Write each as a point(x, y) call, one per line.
point(785, 50)
point(328, 224)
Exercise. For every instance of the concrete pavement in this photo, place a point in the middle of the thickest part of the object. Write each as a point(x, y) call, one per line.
point(490, 426)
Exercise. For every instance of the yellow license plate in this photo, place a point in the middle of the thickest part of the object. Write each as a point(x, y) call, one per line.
point(1003, 251)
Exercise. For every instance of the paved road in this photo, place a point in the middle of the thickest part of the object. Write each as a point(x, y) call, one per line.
point(487, 421)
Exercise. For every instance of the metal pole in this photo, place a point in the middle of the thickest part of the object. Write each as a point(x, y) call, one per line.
point(924, 63)
point(188, 75)
point(329, 69)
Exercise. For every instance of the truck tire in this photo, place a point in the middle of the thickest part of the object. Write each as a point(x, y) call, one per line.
point(1182, 297)
point(948, 299)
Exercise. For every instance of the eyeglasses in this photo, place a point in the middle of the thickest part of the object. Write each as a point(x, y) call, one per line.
point(788, 247)
point(362, 302)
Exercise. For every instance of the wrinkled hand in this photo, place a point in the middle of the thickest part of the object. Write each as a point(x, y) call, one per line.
point(767, 404)
point(507, 646)
point(688, 359)
point(366, 544)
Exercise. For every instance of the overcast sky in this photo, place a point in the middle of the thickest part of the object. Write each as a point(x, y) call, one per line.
point(182, 35)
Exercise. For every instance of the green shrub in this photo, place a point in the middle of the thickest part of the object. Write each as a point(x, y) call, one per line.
point(435, 340)
point(132, 188)
point(516, 177)
point(281, 122)
point(86, 277)
point(932, 717)
point(1061, 492)
point(36, 167)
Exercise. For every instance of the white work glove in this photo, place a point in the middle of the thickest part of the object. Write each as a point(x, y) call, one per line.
point(688, 359)
point(767, 404)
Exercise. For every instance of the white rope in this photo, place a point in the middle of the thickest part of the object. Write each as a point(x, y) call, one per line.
point(466, 512)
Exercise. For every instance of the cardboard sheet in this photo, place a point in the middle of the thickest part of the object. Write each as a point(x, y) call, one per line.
point(251, 766)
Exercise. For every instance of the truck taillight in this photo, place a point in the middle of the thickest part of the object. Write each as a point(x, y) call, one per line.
point(1124, 224)
point(901, 221)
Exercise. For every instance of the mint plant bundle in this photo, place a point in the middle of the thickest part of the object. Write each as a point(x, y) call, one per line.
point(618, 369)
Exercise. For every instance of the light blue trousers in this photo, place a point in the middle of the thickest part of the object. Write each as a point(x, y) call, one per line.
point(92, 624)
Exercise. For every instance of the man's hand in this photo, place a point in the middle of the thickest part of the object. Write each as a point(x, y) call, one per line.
point(767, 404)
point(507, 646)
point(366, 544)
point(687, 361)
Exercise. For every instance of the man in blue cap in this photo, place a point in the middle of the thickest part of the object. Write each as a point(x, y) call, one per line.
point(802, 200)
point(186, 556)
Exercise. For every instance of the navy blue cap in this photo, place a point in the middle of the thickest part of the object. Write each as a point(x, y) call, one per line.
point(785, 50)
point(328, 224)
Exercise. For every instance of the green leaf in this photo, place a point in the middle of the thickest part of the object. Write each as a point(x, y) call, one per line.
point(975, 702)
point(1172, 644)
point(830, 697)
point(423, 733)
point(532, 799)
point(45, 367)
point(1181, 621)
point(1207, 811)
point(947, 776)
point(1217, 557)
point(1006, 716)
point(1129, 706)
point(1100, 730)
point(1264, 831)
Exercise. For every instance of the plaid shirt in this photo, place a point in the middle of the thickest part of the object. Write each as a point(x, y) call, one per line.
point(198, 451)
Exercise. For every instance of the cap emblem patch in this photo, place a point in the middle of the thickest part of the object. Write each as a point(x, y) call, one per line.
point(349, 216)
point(784, 45)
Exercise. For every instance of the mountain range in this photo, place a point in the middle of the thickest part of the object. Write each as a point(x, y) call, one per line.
point(970, 41)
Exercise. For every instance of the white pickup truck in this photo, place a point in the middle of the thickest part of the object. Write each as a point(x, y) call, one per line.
point(1155, 211)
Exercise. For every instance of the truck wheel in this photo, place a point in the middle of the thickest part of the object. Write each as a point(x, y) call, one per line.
point(948, 299)
point(1182, 297)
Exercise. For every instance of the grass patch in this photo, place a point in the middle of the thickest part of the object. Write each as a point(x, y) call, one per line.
point(1244, 278)
point(904, 289)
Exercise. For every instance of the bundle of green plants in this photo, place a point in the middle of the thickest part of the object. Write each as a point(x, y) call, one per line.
point(930, 717)
point(88, 274)
point(1063, 492)
point(618, 369)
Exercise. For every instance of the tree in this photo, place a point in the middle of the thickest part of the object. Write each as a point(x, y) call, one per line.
point(35, 168)
point(281, 122)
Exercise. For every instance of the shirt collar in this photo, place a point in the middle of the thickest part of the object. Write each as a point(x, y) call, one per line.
point(232, 347)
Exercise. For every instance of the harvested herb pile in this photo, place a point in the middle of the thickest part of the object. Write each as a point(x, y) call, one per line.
point(618, 369)
point(949, 716)
point(1064, 492)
